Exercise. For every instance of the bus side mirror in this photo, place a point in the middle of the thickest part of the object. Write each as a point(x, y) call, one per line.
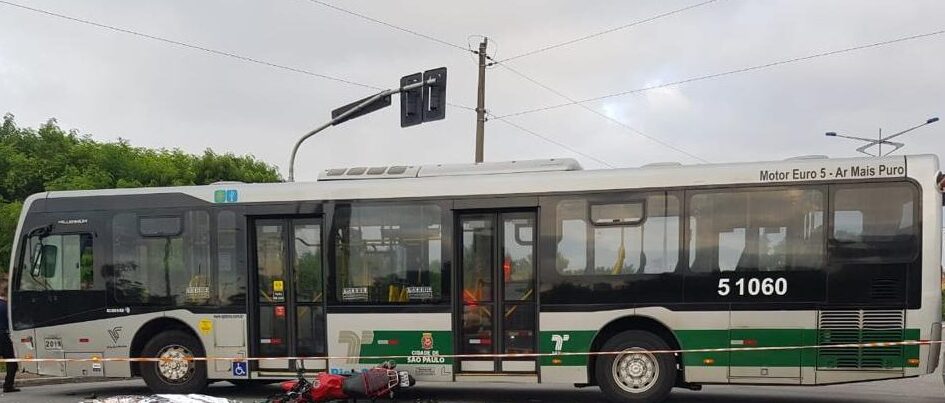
point(36, 257)
point(45, 258)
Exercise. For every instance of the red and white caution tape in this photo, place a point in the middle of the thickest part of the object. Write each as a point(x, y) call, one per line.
point(473, 356)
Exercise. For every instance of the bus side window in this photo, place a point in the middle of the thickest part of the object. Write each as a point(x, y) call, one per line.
point(638, 235)
point(771, 229)
point(874, 222)
point(162, 259)
point(388, 254)
point(231, 281)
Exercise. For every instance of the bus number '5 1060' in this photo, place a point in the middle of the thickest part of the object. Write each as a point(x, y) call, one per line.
point(753, 286)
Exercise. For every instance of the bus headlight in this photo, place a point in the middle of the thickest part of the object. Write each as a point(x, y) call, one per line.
point(935, 348)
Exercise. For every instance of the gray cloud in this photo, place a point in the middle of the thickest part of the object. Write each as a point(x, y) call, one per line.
point(115, 85)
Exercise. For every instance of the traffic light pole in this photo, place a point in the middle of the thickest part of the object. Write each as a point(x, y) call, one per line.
point(349, 112)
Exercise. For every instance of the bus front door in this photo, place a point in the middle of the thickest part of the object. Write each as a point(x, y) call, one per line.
point(290, 310)
point(497, 309)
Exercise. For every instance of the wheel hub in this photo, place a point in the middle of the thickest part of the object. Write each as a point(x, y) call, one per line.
point(636, 370)
point(175, 365)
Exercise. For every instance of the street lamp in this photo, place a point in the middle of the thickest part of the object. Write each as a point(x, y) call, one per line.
point(880, 140)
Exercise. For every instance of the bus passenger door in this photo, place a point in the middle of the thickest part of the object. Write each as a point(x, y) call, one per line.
point(497, 257)
point(290, 311)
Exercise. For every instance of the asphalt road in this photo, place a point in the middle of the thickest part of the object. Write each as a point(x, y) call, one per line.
point(924, 389)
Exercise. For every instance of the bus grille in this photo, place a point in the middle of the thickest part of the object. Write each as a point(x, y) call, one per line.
point(855, 327)
point(885, 289)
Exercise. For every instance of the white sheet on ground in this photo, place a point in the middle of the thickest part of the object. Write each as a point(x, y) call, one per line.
point(192, 398)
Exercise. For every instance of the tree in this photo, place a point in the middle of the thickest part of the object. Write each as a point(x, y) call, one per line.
point(50, 158)
point(9, 216)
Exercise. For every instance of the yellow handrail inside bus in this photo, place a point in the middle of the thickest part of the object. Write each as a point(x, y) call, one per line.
point(621, 256)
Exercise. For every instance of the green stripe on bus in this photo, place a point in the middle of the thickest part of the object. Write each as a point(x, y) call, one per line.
point(571, 341)
point(422, 345)
point(738, 338)
point(580, 341)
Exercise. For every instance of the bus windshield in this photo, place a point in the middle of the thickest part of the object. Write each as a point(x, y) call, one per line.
point(57, 262)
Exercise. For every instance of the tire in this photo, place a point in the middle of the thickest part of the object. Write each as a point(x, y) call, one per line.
point(640, 377)
point(174, 376)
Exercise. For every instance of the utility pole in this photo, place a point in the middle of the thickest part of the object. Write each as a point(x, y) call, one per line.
point(481, 103)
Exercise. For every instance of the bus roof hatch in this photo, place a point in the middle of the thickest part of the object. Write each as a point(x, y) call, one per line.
point(485, 168)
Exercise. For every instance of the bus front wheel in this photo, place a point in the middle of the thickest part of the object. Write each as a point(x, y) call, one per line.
point(633, 373)
point(175, 372)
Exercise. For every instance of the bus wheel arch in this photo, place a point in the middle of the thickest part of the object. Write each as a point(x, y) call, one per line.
point(149, 331)
point(641, 323)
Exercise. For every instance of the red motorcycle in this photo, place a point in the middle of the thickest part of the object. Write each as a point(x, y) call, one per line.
point(378, 382)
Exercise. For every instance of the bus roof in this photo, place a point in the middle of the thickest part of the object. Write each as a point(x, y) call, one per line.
point(558, 179)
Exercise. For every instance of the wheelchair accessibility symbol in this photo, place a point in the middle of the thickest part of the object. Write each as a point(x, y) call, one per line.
point(239, 368)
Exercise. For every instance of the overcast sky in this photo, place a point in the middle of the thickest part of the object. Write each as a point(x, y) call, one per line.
point(112, 84)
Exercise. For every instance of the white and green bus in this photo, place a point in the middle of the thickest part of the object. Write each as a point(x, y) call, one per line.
point(492, 260)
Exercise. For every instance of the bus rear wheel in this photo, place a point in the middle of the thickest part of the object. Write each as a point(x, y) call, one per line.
point(635, 374)
point(175, 372)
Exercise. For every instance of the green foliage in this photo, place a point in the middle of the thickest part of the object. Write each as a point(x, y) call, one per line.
point(9, 216)
point(49, 158)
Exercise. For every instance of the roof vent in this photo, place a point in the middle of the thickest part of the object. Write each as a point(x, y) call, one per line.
point(485, 168)
point(356, 171)
point(505, 167)
point(368, 173)
point(808, 157)
point(663, 164)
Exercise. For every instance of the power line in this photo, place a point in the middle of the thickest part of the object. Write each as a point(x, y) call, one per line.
point(407, 30)
point(188, 45)
point(602, 115)
point(535, 134)
point(605, 32)
point(389, 25)
point(731, 72)
point(260, 62)
point(205, 49)
point(549, 140)
point(209, 50)
point(466, 49)
point(468, 108)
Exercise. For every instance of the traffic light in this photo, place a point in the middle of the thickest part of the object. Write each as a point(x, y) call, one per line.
point(411, 101)
point(434, 103)
point(426, 103)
